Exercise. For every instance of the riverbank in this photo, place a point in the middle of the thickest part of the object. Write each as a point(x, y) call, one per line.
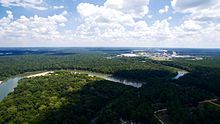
point(40, 74)
point(9, 85)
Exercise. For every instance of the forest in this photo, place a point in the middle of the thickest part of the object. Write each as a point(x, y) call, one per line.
point(67, 97)
point(13, 65)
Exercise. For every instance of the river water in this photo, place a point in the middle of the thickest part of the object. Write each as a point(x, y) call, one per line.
point(180, 74)
point(114, 79)
point(9, 85)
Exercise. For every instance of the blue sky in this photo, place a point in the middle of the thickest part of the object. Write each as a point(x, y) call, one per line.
point(116, 23)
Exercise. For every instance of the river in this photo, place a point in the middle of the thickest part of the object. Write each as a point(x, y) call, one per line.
point(9, 85)
point(180, 74)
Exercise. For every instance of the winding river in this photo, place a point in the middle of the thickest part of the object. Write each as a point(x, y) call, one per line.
point(9, 85)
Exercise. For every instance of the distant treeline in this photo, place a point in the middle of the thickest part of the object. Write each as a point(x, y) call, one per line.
point(13, 65)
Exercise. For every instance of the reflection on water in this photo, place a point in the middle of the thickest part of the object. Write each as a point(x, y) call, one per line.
point(180, 74)
point(113, 79)
point(8, 86)
point(125, 82)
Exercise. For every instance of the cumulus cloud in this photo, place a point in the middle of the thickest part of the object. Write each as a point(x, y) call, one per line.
point(35, 27)
point(35, 4)
point(135, 8)
point(103, 15)
point(191, 25)
point(198, 9)
point(111, 20)
point(200, 23)
point(164, 10)
point(121, 23)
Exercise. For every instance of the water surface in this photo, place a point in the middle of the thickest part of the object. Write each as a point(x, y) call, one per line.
point(8, 86)
point(180, 74)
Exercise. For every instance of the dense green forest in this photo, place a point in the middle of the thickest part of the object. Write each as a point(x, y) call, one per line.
point(13, 65)
point(66, 97)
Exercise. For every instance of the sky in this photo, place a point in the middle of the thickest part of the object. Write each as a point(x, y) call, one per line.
point(110, 23)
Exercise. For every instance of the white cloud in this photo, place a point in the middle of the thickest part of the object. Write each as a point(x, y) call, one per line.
point(98, 17)
point(192, 5)
point(198, 9)
point(164, 10)
point(35, 4)
point(58, 7)
point(135, 8)
point(32, 28)
point(150, 16)
point(113, 23)
point(191, 25)
point(120, 23)
point(111, 20)
point(194, 35)
point(170, 18)
point(200, 23)
point(103, 15)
